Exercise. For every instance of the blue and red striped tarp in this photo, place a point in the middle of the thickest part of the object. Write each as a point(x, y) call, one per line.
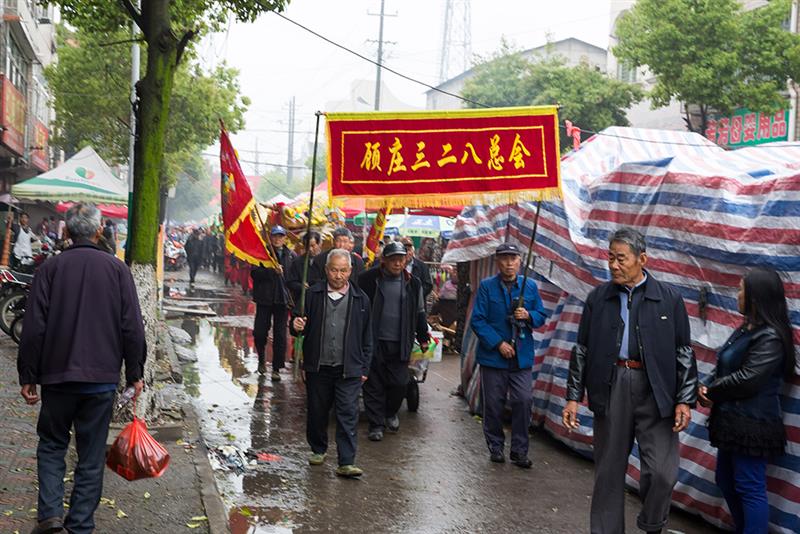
point(708, 215)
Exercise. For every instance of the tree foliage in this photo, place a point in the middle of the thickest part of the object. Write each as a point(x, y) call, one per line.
point(275, 182)
point(194, 191)
point(587, 97)
point(712, 54)
point(92, 103)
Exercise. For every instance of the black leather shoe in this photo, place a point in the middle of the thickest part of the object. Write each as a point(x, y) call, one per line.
point(375, 435)
point(520, 461)
point(49, 526)
point(497, 457)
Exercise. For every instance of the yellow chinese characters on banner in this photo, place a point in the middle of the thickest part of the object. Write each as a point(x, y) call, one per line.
point(445, 158)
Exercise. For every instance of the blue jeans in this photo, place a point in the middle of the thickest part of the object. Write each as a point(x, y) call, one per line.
point(90, 414)
point(743, 481)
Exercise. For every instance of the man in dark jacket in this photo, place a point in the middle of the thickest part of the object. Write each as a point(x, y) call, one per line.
point(272, 304)
point(337, 349)
point(417, 267)
point(634, 359)
point(342, 238)
point(505, 352)
point(294, 279)
point(194, 253)
point(398, 317)
point(82, 321)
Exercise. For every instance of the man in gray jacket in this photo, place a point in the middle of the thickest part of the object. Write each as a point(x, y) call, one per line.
point(634, 359)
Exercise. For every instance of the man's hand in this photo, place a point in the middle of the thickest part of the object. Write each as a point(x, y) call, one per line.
point(702, 397)
point(30, 394)
point(506, 350)
point(279, 269)
point(424, 346)
point(683, 416)
point(521, 314)
point(138, 386)
point(299, 324)
point(569, 416)
point(303, 376)
point(364, 378)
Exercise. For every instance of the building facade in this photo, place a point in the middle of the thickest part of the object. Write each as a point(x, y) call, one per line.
point(573, 51)
point(27, 46)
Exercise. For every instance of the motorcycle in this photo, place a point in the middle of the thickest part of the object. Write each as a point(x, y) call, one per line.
point(16, 283)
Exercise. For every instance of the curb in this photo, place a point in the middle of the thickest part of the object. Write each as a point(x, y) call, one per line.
point(209, 493)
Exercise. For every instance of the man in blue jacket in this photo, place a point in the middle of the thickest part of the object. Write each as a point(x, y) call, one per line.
point(505, 352)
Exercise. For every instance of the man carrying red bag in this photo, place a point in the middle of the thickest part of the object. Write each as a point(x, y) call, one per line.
point(82, 320)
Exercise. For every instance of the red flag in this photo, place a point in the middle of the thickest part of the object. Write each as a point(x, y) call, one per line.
point(376, 233)
point(242, 236)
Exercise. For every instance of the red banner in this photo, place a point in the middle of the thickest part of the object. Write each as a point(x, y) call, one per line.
point(243, 238)
point(441, 158)
point(13, 117)
point(376, 234)
point(39, 154)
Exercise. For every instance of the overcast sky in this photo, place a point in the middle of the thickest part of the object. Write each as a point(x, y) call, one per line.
point(278, 60)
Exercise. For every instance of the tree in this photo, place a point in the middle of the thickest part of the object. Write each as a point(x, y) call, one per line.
point(88, 113)
point(275, 182)
point(587, 97)
point(168, 27)
point(713, 54)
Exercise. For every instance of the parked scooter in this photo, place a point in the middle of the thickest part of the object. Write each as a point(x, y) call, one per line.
point(174, 256)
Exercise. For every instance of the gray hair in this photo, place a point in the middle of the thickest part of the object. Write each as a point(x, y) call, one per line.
point(342, 232)
point(632, 238)
point(339, 253)
point(83, 220)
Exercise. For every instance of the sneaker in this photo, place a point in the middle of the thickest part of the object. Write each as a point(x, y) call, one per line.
point(276, 376)
point(393, 423)
point(375, 435)
point(497, 457)
point(349, 471)
point(521, 460)
point(317, 459)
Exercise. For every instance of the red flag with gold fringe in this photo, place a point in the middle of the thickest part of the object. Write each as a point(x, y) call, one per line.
point(376, 233)
point(243, 238)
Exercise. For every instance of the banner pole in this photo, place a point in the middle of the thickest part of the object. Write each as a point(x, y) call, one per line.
point(521, 300)
point(298, 352)
point(267, 231)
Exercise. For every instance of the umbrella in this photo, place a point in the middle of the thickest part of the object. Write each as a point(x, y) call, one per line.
point(421, 225)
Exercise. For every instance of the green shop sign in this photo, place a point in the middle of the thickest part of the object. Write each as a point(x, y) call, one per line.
point(748, 128)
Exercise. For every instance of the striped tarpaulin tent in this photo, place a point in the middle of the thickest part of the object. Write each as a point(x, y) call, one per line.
point(708, 215)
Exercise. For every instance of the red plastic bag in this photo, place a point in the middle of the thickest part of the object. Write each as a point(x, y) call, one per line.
point(135, 454)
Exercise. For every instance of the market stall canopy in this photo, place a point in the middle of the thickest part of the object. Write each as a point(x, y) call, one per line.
point(112, 211)
point(84, 177)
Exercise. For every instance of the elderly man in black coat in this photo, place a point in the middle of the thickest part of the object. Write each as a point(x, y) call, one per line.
point(82, 321)
point(634, 358)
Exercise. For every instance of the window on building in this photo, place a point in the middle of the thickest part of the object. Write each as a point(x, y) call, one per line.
point(16, 67)
point(625, 72)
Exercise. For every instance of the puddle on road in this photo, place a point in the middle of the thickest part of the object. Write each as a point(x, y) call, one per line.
point(238, 407)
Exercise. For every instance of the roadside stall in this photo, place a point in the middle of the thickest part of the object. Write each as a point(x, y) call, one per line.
point(708, 215)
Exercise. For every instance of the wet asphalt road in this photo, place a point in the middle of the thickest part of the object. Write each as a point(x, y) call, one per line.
point(432, 476)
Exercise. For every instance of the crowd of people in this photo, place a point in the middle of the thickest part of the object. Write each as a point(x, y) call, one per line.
point(632, 357)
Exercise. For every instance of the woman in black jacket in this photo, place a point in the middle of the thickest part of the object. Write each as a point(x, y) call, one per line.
point(746, 423)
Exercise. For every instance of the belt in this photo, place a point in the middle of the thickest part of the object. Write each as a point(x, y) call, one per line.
point(630, 364)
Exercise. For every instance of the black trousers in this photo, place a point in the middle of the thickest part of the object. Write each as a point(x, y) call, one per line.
point(194, 265)
point(275, 315)
point(90, 414)
point(387, 385)
point(497, 385)
point(325, 389)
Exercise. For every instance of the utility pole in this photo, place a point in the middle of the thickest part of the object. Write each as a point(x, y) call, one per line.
point(380, 41)
point(290, 155)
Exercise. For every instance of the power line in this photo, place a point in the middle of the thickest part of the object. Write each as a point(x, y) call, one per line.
point(283, 166)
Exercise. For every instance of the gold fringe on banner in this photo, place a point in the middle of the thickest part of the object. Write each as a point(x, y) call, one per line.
point(467, 199)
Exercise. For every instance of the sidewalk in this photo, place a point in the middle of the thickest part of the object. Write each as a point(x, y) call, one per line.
point(172, 503)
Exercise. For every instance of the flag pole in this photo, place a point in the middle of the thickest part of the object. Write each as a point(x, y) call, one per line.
point(267, 231)
point(298, 346)
point(521, 300)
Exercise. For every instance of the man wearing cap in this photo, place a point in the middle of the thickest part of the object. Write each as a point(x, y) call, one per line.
point(343, 239)
point(505, 352)
point(271, 297)
point(312, 242)
point(634, 359)
point(398, 317)
point(417, 267)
